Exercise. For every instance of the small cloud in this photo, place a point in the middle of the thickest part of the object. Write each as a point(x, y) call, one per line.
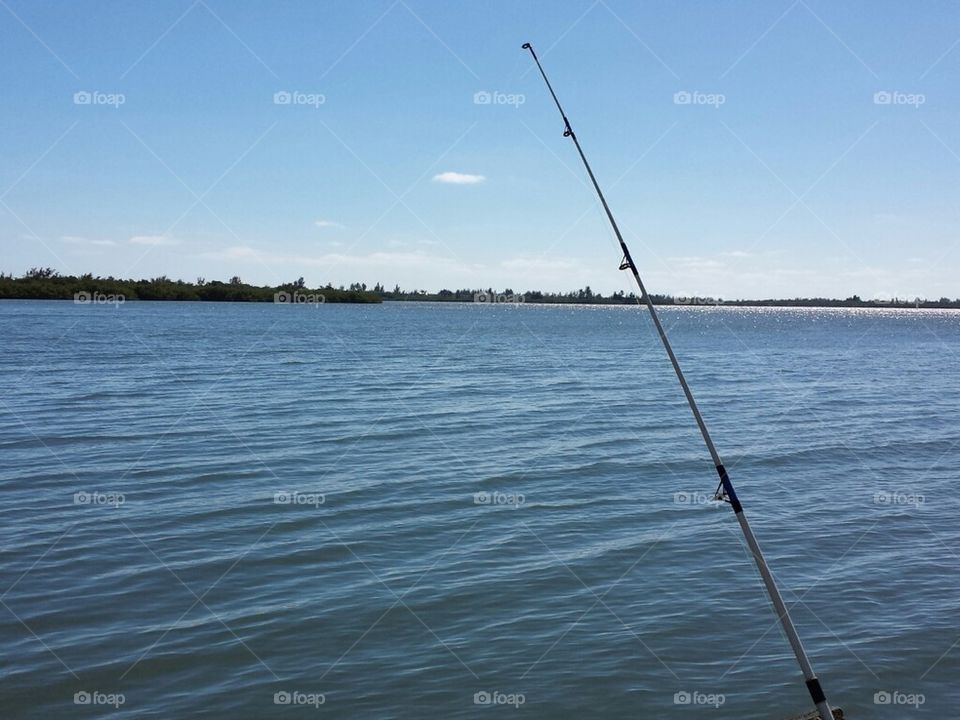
point(738, 254)
point(329, 224)
point(455, 178)
point(155, 240)
point(540, 264)
point(77, 240)
point(378, 259)
point(696, 263)
point(241, 251)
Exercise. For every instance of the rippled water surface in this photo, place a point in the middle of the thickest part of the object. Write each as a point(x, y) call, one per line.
point(400, 511)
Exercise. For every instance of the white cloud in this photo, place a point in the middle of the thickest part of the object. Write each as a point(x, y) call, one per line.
point(155, 240)
point(455, 178)
point(547, 273)
point(696, 263)
point(379, 260)
point(236, 252)
point(541, 265)
point(77, 240)
point(328, 224)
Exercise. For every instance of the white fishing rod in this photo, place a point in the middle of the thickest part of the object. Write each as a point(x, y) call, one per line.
point(725, 491)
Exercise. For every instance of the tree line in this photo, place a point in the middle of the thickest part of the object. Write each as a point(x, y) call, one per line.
point(48, 284)
point(586, 296)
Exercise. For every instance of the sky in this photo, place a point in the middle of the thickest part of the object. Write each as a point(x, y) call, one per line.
point(765, 149)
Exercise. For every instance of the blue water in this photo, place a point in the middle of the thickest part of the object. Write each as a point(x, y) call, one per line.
point(147, 558)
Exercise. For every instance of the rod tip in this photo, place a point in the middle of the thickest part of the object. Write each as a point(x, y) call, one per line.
point(527, 46)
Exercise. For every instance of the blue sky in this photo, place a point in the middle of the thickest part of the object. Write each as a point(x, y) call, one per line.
point(785, 174)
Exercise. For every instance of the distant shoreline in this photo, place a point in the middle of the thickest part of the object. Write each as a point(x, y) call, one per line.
point(47, 284)
point(586, 297)
point(668, 302)
point(774, 304)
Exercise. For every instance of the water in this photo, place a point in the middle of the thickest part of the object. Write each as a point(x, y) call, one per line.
point(145, 553)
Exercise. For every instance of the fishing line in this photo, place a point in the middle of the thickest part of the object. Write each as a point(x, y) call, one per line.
point(725, 491)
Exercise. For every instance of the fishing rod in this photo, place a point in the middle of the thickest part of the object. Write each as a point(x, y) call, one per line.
point(725, 491)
